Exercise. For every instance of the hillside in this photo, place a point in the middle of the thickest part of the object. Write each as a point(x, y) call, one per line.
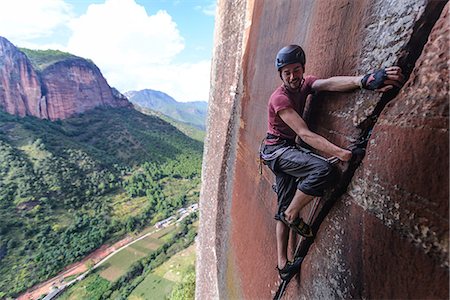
point(67, 187)
point(188, 129)
point(193, 113)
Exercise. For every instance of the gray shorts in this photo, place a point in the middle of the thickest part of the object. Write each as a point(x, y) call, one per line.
point(296, 169)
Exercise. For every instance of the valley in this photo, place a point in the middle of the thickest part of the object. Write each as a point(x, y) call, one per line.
point(82, 169)
point(99, 260)
point(70, 186)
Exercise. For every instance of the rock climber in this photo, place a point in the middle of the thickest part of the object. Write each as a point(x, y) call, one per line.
point(301, 176)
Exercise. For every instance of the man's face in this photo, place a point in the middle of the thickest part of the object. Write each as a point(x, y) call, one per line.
point(292, 76)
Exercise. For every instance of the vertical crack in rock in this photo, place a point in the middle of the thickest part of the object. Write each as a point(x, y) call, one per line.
point(407, 59)
point(415, 208)
point(410, 54)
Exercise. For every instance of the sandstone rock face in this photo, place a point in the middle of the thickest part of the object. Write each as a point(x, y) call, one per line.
point(61, 90)
point(20, 88)
point(74, 86)
point(220, 157)
point(407, 190)
point(387, 234)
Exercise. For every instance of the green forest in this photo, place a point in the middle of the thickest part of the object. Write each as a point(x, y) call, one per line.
point(40, 59)
point(69, 186)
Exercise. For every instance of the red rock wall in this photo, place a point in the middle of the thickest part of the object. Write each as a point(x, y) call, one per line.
point(404, 195)
point(75, 86)
point(62, 89)
point(387, 236)
point(20, 89)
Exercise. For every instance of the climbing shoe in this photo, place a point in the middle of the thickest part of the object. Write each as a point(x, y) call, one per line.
point(290, 269)
point(298, 226)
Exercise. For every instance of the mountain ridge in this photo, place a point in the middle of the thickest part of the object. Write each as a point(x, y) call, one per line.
point(193, 113)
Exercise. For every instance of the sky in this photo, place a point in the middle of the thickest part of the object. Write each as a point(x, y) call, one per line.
point(164, 45)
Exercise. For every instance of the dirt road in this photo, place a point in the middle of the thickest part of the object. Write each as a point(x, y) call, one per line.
point(73, 269)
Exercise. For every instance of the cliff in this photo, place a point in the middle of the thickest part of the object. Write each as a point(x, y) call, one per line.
point(20, 88)
point(386, 234)
point(62, 89)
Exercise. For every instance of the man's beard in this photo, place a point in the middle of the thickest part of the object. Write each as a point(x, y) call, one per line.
point(295, 85)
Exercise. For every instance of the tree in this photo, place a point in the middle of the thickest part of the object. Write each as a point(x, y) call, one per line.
point(186, 289)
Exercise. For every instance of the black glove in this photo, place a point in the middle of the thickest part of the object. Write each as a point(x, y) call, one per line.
point(375, 80)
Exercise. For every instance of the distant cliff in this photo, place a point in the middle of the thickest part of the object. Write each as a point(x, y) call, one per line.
point(62, 88)
point(387, 234)
point(193, 113)
point(20, 86)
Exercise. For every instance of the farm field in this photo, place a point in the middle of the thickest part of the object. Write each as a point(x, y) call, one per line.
point(116, 266)
point(90, 288)
point(120, 262)
point(159, 283)
point(153, 287)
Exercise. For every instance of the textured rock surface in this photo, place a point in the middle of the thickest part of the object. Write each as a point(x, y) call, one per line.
point(407, 190)
point(20, 89)
point(74, 86)
point(62, 89)
point(387, 237)
point(213, 244)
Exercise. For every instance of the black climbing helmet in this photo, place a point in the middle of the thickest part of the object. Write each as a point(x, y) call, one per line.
point(290, 55)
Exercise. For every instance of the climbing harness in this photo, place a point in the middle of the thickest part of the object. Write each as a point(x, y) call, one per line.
point(263, 158)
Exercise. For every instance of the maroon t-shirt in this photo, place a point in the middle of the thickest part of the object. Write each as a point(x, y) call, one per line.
point(282, 99)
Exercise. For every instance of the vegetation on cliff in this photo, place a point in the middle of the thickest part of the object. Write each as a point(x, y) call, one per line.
point(40, 59)
point(67, 187)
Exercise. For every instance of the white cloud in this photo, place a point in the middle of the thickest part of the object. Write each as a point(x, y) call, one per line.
point(209, 10)
point(184, 82)
point(134, 50)
point(24, 20)
point(120, 32)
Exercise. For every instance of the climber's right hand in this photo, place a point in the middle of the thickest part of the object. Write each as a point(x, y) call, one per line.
point(383, 80)
point(345, 155)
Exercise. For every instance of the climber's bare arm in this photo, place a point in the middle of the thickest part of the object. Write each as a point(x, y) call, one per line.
point(394, 77)
point(294, 121)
